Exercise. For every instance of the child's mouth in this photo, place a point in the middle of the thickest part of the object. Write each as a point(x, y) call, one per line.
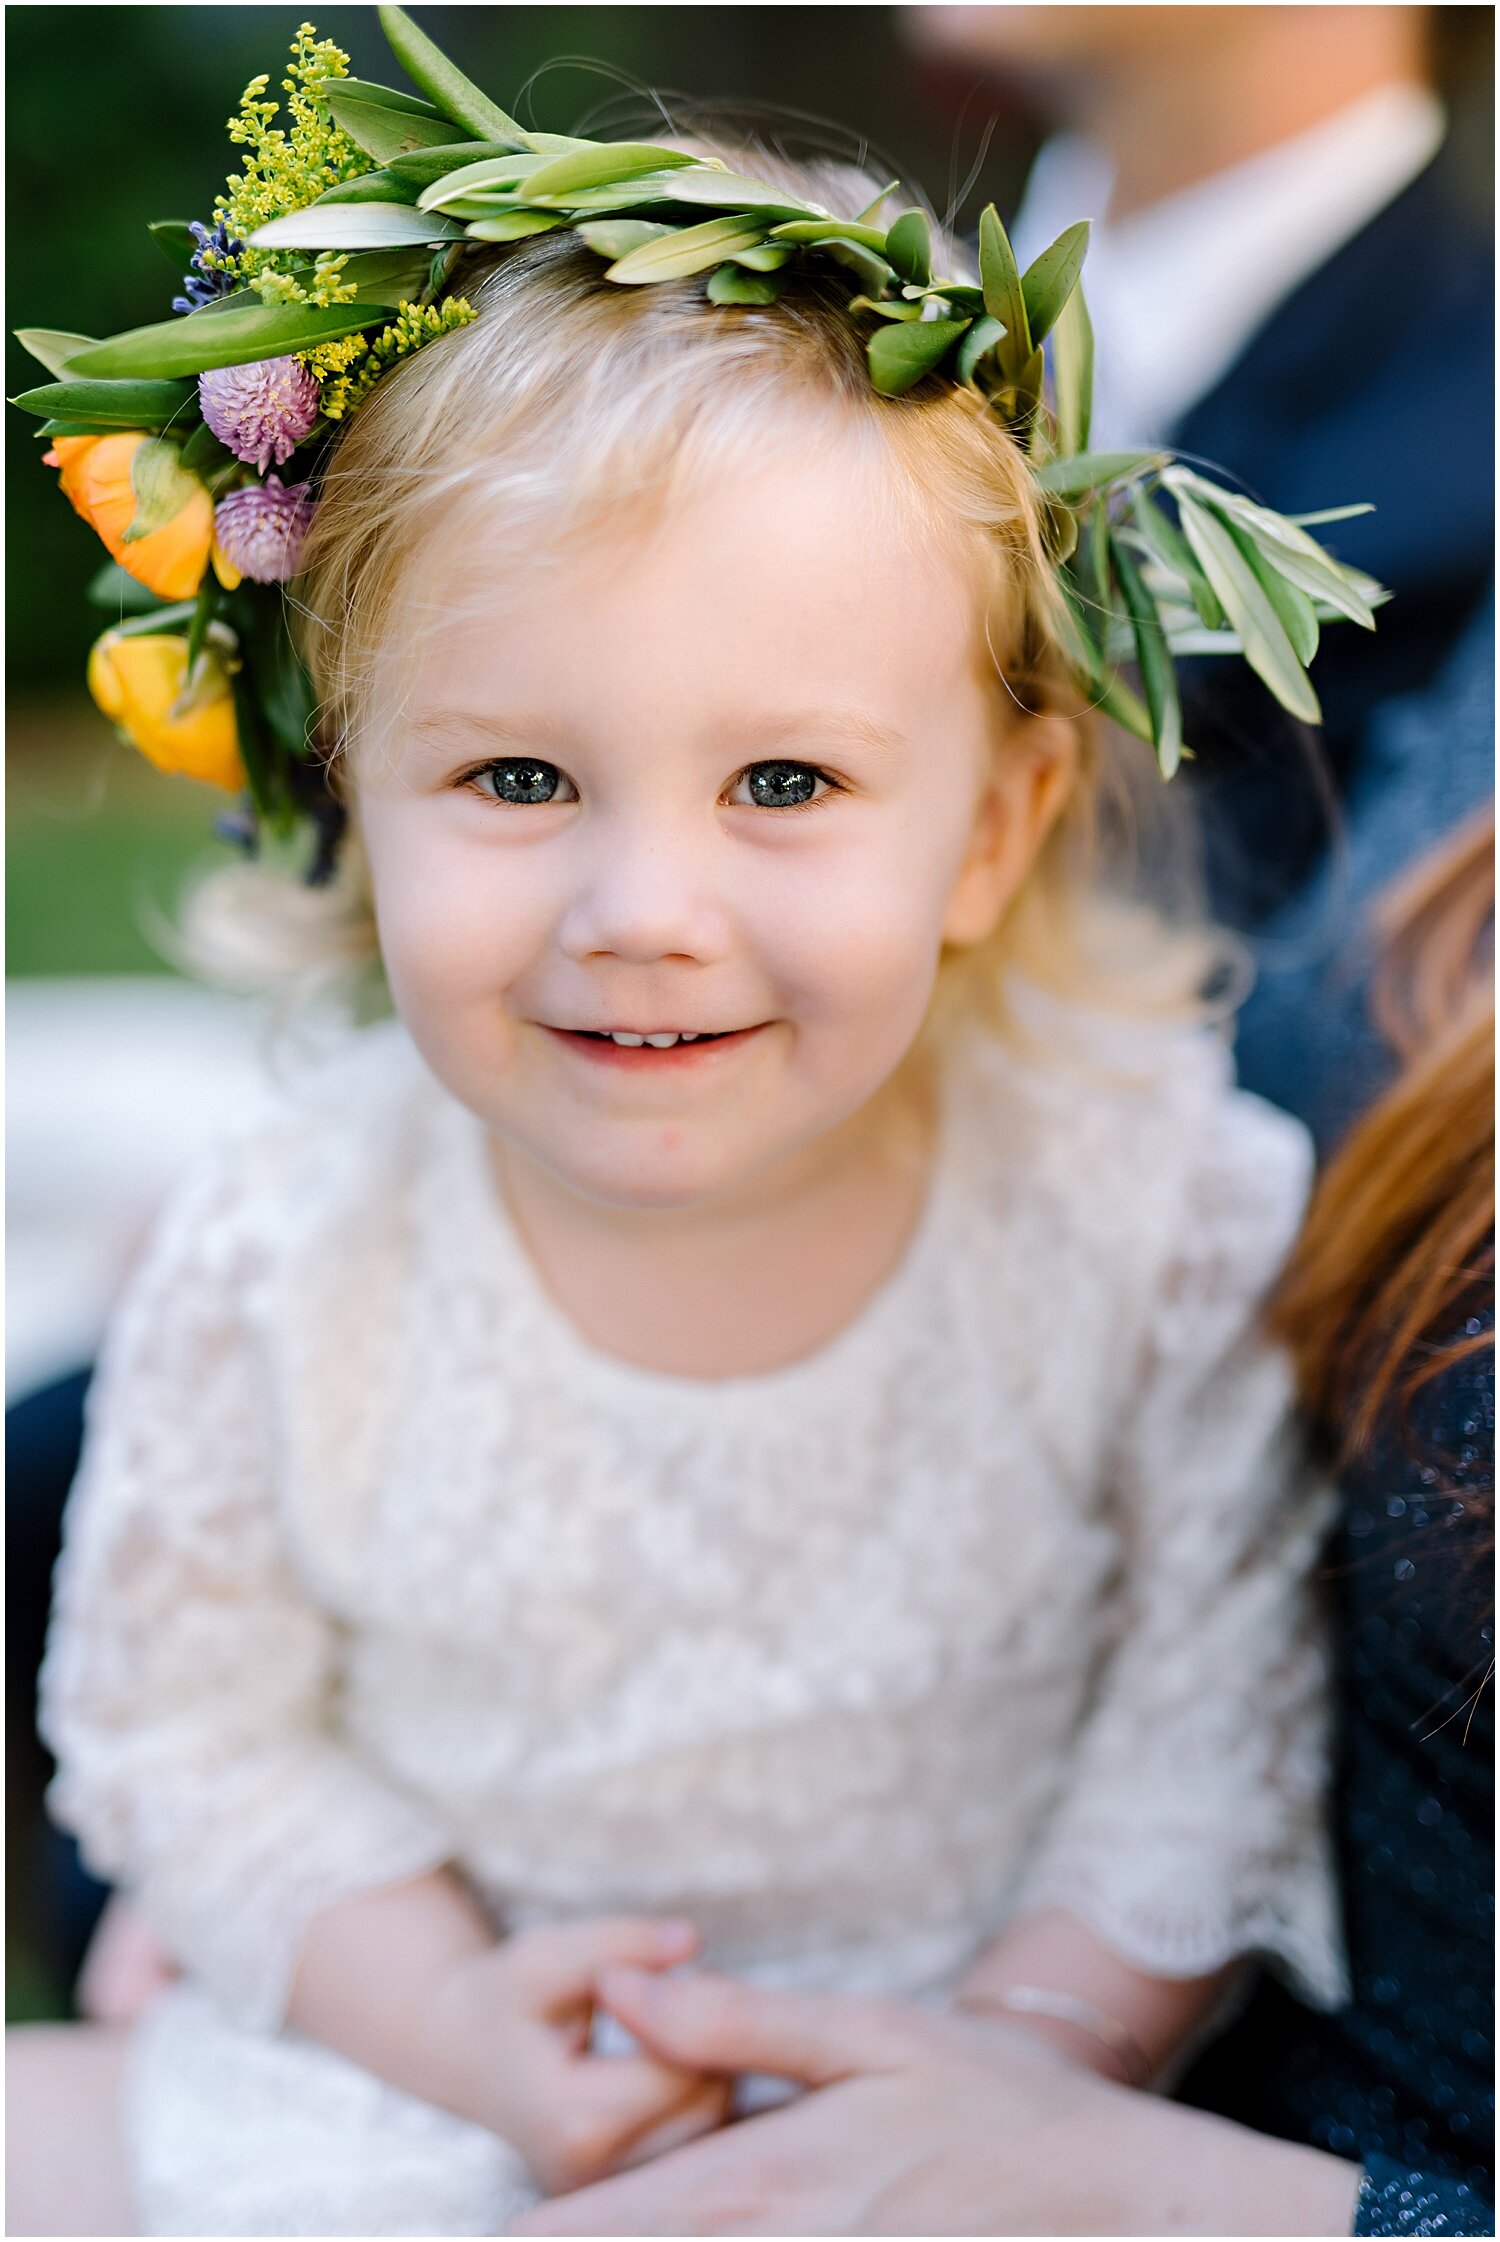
point(663, 1047)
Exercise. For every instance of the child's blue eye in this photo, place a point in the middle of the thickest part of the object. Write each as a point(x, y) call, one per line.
point(521, 778)
point(782, 786)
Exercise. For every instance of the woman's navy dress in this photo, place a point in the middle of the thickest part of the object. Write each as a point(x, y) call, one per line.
point(1402, 2080)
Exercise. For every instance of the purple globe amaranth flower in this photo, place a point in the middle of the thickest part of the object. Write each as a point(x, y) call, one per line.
point(261, 411)
point(260, 530)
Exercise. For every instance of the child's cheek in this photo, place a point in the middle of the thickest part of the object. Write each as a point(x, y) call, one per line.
point(458, 930)
point(855, 942)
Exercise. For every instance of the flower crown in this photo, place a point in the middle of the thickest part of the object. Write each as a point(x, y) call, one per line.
point(195, 446)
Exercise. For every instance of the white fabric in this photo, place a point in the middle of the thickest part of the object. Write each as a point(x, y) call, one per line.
point(999, 1598)
point(1177, 289)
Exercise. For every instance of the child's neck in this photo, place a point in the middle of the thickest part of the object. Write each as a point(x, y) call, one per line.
point(747, 1283)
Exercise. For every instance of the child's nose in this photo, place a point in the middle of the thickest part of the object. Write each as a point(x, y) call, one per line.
point(645, 895)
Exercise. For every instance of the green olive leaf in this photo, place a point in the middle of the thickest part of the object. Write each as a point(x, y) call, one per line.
point(1003, 299)
point(873, 273)
point(1081, 472)
point(731, 284)
point(1296, 611)
point(713, 190)
point(354, 225)
point(983, 335)
point(386, 276)
point(515, 225)
point(818, 231)
point(1172, 550)
point(901, 354)
point(616, 237)
point(866, 217)
point(1263, 639)
point(1297, 556)
point(119, 594)
point(766, 256)
point(229, 338)
point(381, 121)
point(966, 302)
point(908, 247)
point(1328, 514)
point(608, 164)
point(690, 249)
point(370, 186)
point(1105, 689)
point(422, 166)
point(1073, 374)
point(1050, 280)
point(1158, 671)
point(113, 404)
point(52, 346)
point(175, 239)
point(883, 309)
point(446, 87)
point(498, 174)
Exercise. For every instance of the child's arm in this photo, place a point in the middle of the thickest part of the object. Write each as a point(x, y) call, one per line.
point(1188, 1823)
point(190, 1694)
point(1138, 2022)
point(412, 1984)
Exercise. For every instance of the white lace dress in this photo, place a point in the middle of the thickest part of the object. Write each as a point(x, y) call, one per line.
point(1000, 1599)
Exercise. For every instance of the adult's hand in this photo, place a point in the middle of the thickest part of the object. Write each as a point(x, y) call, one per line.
point(932, 2124)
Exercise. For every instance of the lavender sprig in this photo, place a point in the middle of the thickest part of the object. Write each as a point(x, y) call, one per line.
point(204, 284)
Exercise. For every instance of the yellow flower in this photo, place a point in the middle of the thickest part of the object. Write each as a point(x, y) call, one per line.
point(140, 680)
point(117, 485)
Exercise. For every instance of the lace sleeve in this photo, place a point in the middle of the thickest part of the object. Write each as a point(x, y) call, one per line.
point(188, 1686)
point(1190, 1830)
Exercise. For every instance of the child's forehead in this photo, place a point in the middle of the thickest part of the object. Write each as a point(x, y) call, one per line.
point(789, 555)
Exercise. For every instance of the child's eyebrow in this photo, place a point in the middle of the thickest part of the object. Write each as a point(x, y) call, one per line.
point(765, 733)
point(440, 726)
point(839, 726)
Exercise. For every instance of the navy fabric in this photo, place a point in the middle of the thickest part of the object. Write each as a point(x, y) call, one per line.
point(1402, 2079)
point(1373, 381)
point(1304, 1038)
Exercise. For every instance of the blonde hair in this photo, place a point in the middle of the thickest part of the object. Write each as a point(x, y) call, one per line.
point(571, 405)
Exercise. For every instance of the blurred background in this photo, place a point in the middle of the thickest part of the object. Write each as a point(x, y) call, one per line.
point(119, 1070)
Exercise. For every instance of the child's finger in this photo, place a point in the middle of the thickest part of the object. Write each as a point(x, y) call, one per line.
point(558, 1962)
point(704, 2111)
point(707, 2023)
point(622, 2100)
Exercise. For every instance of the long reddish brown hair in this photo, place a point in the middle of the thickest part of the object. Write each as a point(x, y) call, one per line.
point(1400, 1237)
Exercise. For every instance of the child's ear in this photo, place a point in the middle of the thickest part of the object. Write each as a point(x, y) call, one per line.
point(1030, 776)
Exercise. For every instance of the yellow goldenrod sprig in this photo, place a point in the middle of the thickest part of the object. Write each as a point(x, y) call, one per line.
point(334, 358)
point(413, 327)
point(286, 169)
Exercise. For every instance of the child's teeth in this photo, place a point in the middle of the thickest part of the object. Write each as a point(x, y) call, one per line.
point(618, 1035)
point(662, 1042)
point(686, 1038)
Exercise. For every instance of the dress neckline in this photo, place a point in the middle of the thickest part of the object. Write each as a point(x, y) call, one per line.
point(490, 1239)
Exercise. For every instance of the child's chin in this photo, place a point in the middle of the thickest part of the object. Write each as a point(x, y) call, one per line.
point(657, 1179)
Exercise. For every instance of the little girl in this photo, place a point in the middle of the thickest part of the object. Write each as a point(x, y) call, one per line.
point(736, 1425)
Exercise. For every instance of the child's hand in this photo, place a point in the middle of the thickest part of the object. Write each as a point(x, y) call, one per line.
point(126, 1966)
point(511, 2028)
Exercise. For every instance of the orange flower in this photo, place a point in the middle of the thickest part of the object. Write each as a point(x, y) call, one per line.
point(115, 483)
point(140, 680)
